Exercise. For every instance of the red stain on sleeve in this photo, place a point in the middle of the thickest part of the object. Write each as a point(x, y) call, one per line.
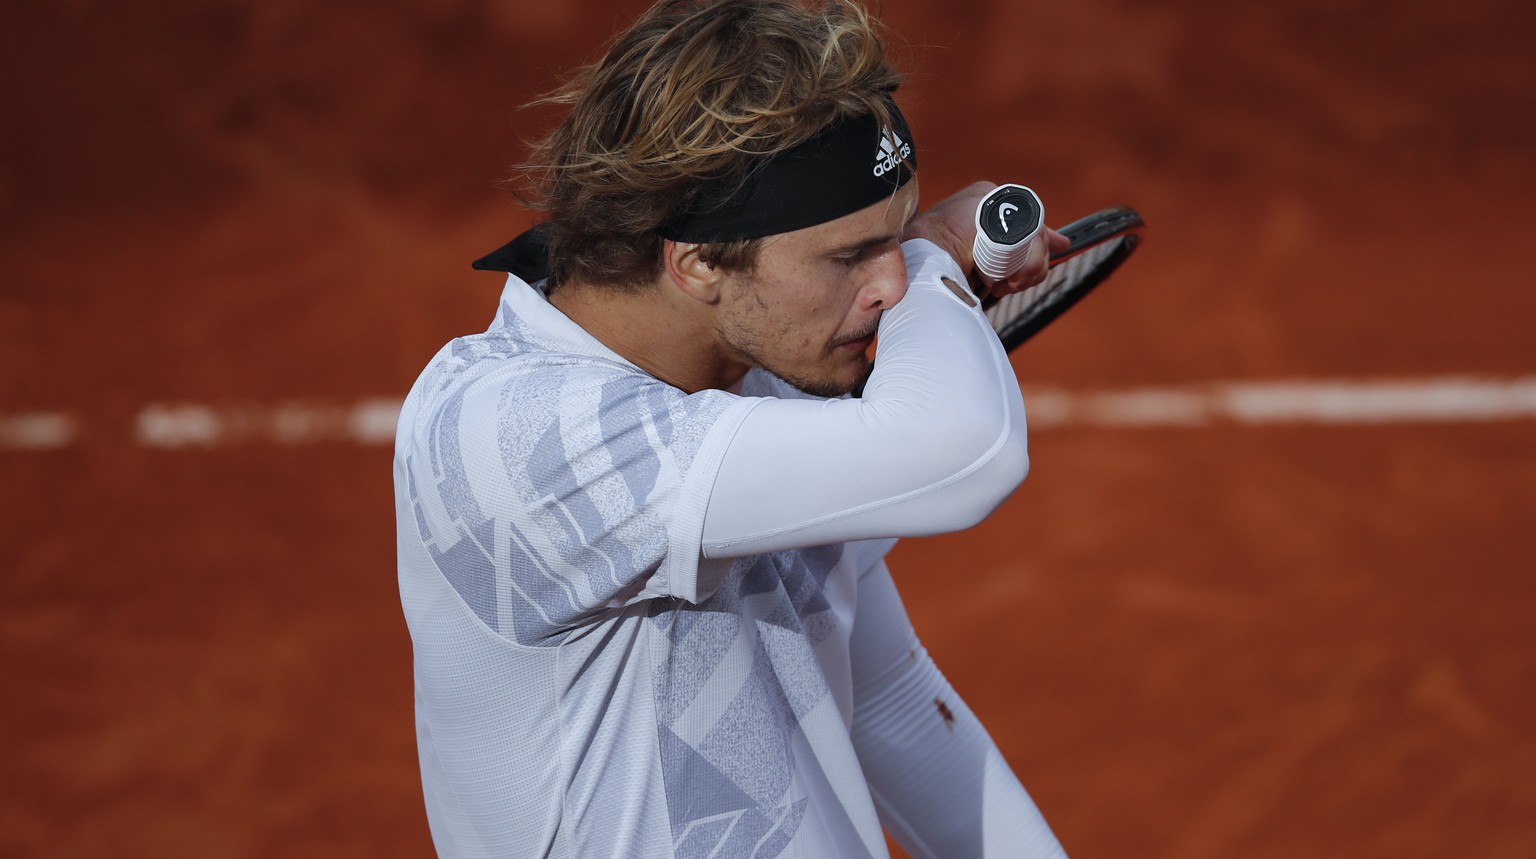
point(945, 713)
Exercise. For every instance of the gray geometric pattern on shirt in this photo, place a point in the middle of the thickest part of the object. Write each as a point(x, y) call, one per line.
point(716, 818)
point(579, 543)
point(745, 764)
point(750, 752)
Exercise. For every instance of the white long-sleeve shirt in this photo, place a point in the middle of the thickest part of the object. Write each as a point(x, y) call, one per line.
point(652, 623)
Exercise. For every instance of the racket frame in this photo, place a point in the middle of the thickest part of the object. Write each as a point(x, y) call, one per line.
point(1121, 224)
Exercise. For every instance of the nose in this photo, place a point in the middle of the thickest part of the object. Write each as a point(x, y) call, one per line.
point(887, 282)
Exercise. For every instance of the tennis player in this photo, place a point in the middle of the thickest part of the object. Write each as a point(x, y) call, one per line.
point(642, 528)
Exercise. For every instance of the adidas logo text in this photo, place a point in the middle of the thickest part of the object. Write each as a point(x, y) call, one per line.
point(893, 150)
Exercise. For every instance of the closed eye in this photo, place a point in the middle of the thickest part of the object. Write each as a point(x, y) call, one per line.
point(850, 257)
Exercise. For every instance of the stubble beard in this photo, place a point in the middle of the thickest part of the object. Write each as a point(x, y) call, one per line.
point(829, 386)
point(755, 346)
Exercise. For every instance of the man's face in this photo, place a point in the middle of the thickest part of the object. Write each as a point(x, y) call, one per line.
point(807, 312)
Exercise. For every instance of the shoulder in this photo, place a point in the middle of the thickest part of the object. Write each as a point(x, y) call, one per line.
point(534, 411)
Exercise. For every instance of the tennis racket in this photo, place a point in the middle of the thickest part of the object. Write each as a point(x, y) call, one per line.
point(1101, 243)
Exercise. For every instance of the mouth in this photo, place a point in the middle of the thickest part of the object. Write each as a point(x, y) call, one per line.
point(859, 345)
point(857, 342)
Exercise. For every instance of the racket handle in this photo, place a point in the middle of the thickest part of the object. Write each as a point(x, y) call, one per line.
point(1007, 221)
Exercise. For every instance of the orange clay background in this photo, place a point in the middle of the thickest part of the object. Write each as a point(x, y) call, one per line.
point(1229, 641)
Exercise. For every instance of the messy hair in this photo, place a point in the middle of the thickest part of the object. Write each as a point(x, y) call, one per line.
point(696, 91)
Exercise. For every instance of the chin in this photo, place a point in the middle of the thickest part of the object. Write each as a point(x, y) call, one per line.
point(828, 384)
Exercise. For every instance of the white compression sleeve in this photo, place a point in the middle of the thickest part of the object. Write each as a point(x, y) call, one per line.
point(935, 444)
point(940, 785)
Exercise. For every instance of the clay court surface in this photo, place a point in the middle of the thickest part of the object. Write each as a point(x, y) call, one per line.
point(1191, 638)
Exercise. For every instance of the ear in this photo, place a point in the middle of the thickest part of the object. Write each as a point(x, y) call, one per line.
point(692, 276)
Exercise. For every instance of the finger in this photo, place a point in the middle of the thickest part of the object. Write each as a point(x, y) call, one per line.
point(1056, 242)
point(1038, 266)
point(1035, 270)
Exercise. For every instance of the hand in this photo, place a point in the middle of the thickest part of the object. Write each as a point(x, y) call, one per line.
point(951, 224)
point(1034, 272)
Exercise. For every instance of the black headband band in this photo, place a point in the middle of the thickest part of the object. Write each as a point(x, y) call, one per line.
point(847, 166)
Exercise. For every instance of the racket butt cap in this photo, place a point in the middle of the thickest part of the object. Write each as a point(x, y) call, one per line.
point(1007, 221)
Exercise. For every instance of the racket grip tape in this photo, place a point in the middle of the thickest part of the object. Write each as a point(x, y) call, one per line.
point(1007, 221)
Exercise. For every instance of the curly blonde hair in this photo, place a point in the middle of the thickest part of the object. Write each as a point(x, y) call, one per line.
point(693, 92)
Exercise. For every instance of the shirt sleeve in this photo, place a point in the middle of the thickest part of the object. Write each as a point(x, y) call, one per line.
point(936, 442)
point(553, 492)
point(940, 785)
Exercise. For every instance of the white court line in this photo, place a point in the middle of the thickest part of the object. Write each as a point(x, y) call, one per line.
point(1456, 399)
point(1445, 400)
point(180, 425)
point(36, 431)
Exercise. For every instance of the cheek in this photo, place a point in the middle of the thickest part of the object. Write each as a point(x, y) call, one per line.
point(821, 320)
point(808, 319)
point(808, 307)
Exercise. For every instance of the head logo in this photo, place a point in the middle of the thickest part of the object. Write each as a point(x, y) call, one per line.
point(893, 150)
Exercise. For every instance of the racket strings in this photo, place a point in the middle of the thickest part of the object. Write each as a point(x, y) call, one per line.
point(1020, 308)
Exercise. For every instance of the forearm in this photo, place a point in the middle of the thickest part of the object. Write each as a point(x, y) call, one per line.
point(935, 444)
point(941, 786)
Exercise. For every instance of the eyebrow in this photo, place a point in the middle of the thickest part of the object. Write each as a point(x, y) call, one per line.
point(871, 242)
point(860, 246)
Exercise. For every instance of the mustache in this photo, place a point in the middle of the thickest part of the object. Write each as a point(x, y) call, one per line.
point(866, 331)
